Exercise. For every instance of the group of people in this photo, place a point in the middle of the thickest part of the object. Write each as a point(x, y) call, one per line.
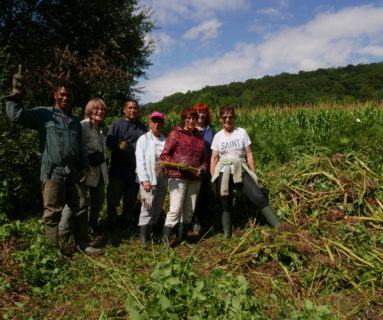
point(192, 159)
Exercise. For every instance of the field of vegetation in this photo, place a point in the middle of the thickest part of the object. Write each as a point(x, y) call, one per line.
point(322, 168)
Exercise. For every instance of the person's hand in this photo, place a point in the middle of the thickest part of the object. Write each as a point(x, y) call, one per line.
point(83, 176)
point(122, 145)
point(147, 186)
point(257, 181)
point(17, 85)
point(202, 171)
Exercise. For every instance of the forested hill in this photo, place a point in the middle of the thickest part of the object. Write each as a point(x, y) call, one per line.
point(343, 84)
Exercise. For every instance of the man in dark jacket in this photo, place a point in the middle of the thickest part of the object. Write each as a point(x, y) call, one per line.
point(121, 140)
point(64, 159)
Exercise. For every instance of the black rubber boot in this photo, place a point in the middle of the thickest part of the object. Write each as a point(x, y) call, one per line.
point(166, 235)
point(184, 229)
point(52, 234)
point(226, 224)
point(144, 234)
point(80, 233)
point(270, 216)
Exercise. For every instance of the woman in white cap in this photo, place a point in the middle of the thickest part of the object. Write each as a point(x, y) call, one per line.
point(152, 186)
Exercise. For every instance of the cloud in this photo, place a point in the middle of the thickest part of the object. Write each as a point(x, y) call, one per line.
point(173, 11)
point(331, 39)
point(163, 42)
point(372, 50)
point(207, 30)
point(269, 12)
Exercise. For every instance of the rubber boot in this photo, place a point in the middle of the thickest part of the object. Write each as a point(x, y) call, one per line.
point(80, 233)
point(144, 234)
point(226, 224)
point(166, 235)
point(184, 232)
point(270, 216)
point(52, 234)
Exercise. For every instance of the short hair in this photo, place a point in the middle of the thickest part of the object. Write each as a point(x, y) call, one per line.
point(63, 83)
point(188, 112)
point(93, 104)
point(225, 109)
point(203, 107)
point(130, 100)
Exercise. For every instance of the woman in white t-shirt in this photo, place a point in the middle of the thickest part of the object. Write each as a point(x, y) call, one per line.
point(232, 164)
point(153, 186)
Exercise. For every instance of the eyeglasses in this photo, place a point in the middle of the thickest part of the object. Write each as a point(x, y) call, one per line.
point(99, 109)
point(227, 117)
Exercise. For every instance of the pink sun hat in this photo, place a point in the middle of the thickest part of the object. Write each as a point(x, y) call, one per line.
point(157, 114)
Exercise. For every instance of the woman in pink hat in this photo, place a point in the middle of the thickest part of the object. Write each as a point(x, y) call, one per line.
point(152, 186)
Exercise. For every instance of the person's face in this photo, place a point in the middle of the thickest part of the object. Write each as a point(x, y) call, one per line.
point(227, 120)
point(64, 98)
point(202, 117)
point(131, 111)
point(190, 122)
point(156, 125)
point(98, 113)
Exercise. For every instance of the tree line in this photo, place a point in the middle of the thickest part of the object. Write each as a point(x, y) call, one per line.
point(348, 84)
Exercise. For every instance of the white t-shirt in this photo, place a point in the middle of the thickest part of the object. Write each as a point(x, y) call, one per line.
point(231, 145)
point(160, 144)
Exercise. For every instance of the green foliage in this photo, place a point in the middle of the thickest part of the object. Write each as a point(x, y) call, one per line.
point(175, 291)
point(41, 264)
point(19, 160)
point(344, 84)
point(58, 38)
point(311, 312)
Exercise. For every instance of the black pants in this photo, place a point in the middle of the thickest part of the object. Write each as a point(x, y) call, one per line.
point(205, 207)
point(248, 187)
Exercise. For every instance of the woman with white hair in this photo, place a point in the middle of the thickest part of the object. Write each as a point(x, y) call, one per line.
point(93, 134)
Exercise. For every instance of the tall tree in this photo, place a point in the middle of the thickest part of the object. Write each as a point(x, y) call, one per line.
point(101, 44)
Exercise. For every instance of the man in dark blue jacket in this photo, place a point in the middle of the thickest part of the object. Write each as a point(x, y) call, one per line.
point(64, 159)
point(121, 140)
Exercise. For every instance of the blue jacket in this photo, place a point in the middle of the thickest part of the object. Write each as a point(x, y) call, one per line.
point(123, 162)
point(60, 139)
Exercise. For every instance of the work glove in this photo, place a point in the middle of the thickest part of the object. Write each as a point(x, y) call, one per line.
point(122, 145)
point(17, 85)
point(147, 200)
point(83, 175)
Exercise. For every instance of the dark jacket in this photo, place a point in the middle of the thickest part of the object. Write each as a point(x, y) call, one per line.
point(123, 162)
point(208, 134)
point(185, 147)
point(60, 139)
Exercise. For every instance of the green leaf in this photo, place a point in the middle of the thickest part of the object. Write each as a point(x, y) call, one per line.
point(274, 297)
point(309, 304)
point(173, 281)
point(164, 301)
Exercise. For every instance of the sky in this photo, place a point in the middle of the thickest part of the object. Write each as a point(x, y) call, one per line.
point(202, 43)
